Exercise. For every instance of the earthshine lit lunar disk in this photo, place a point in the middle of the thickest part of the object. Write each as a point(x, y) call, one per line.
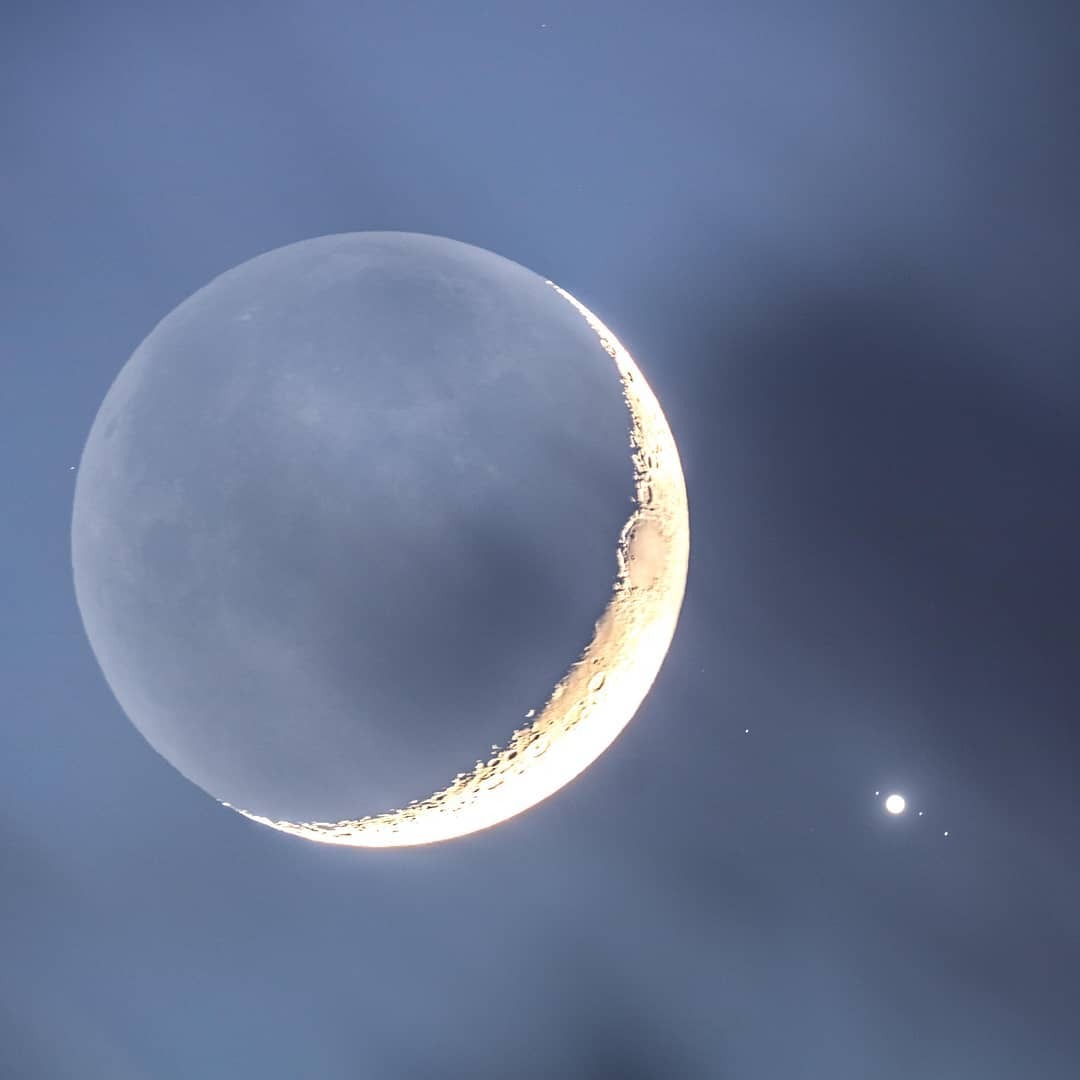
point(321, 474)
point(896, 804)
point(600, 693)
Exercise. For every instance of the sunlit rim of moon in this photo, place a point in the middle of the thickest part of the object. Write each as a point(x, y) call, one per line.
point(600, 693)
point(895, 804)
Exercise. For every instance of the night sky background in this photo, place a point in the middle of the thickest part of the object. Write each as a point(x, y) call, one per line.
point(841, 241)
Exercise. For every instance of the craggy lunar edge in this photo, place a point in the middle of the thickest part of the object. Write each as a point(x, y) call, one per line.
point(598, 697)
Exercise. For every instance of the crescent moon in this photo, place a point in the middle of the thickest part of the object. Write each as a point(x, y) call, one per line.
point(603, 689)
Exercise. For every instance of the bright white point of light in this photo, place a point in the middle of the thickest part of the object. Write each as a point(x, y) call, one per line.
point(946, 833)
point(877, 792)
point(920, 813)
point(746, 731)
point(895, 804)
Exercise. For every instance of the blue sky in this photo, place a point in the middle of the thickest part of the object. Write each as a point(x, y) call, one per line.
point(840, 242)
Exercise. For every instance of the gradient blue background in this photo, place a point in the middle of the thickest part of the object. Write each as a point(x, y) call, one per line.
point(841, 241)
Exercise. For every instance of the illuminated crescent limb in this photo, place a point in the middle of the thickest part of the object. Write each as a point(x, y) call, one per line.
point(601, 692)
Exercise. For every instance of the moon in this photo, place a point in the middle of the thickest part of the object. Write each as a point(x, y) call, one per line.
point(127, 490)
point(895, 804)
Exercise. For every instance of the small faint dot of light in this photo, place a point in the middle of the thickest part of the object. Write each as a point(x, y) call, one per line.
point(920, 813)
point(895, 804)
point(747, 731)
point(946, 833)
point(877, 792)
